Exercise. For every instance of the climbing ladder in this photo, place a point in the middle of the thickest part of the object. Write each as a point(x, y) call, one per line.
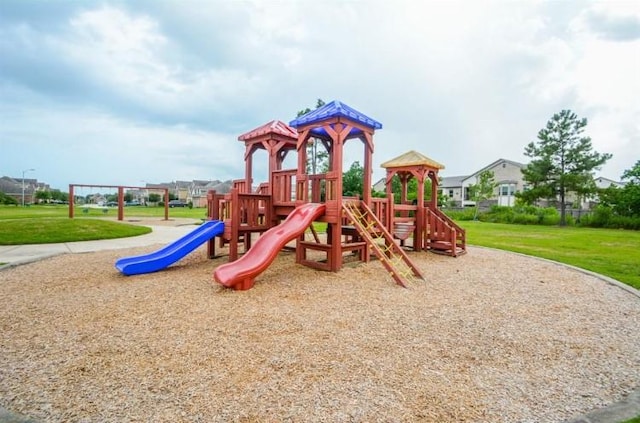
point(394, 259)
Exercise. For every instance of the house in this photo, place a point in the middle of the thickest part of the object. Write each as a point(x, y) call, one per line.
point(17, 187)
point(199, 188)
point(380, 186)
point(451, 188)
point(507, 174)
point(602, 182)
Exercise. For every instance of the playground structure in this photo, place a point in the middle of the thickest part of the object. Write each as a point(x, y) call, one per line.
point(357, 226)
point(283, 208)
point(120, 189)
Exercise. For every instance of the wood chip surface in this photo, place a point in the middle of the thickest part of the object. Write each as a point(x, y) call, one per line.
point(489, 336)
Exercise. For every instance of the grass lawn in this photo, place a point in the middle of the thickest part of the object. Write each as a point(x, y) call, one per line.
point(13, 212)
point(611, 252)
point(47, 230)
point(615, 253)
point(49, 224)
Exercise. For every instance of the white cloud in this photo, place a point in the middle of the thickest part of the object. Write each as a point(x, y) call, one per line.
point(174, 84)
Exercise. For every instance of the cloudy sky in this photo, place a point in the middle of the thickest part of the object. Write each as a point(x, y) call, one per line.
point(129, 92)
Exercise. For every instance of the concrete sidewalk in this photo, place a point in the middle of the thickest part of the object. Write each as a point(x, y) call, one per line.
point(13, 255)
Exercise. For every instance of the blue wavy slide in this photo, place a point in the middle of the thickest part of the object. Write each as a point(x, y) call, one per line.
point(173, 252)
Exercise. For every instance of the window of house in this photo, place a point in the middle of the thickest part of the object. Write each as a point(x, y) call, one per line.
point(451, 193)
point(507, 189)
point(466, 193)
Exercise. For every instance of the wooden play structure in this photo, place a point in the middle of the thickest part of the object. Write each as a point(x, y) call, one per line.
point(355, 226)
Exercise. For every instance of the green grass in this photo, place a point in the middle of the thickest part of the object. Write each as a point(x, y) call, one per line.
point(614, 253)
point(633, 420)
point(611, 252)
point(47, 230)
point(13, 212)
point(51, 223)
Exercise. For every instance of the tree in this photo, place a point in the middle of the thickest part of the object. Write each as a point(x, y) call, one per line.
point(483, 190)
point(7, 199)
point(352, 180)
point(412, 189)
point(632, 176)
point(631, 191)
point(317, 158)
point(563, 161)
point(58, 195)
point(154, 197)
point(624, 201)
point(42, 196)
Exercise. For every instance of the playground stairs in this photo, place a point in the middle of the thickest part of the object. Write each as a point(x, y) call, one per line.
point(443, 235)
point(392, 256)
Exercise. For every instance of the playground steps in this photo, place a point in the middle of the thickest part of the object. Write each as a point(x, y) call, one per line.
point(443, 235)
point(444, 247)
point(392, 256)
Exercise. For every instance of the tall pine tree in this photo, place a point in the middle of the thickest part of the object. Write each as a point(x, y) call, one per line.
point(563, 161)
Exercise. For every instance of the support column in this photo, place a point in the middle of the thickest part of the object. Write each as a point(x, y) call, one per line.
point(434, 189)
point(417, 236)
point(366, 183)
point(120, 203)
point(166, 204)
point(71, 202)
point(248, 168)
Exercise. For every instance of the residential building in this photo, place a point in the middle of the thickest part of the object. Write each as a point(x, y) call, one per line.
point(602, 182)
point(13, 187)
point(507, 174)
point(451, 188)
point(380, 186)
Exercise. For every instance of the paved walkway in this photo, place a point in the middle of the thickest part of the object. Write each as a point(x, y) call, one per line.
point(13, 255)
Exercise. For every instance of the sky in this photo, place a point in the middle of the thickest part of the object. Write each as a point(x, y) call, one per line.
point(149, 91)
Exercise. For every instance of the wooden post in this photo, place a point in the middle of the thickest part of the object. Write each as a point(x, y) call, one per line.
point(71, 198)
point(366, 183)
point(166, 204)
point(235, 223)
point(417, 235)
point(120, 203)
point(211, 244)
point(248, 168)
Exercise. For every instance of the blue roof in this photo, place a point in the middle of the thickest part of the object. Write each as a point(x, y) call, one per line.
point(335, 109)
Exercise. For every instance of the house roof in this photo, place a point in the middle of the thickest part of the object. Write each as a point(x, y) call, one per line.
point(452, 181)
point(497, 162)
point(411, 158)
point(602, 178)
point(274, 127)
point(331, 110)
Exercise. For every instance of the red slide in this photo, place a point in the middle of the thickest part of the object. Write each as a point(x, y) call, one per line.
point(241, 274)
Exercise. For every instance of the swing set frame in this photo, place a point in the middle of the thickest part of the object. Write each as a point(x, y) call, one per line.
point(120, 189)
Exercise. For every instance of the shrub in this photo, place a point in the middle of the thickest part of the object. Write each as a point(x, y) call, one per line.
point(8, 200)
point(526, 219)
point(466, 214)
point(604, 217)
